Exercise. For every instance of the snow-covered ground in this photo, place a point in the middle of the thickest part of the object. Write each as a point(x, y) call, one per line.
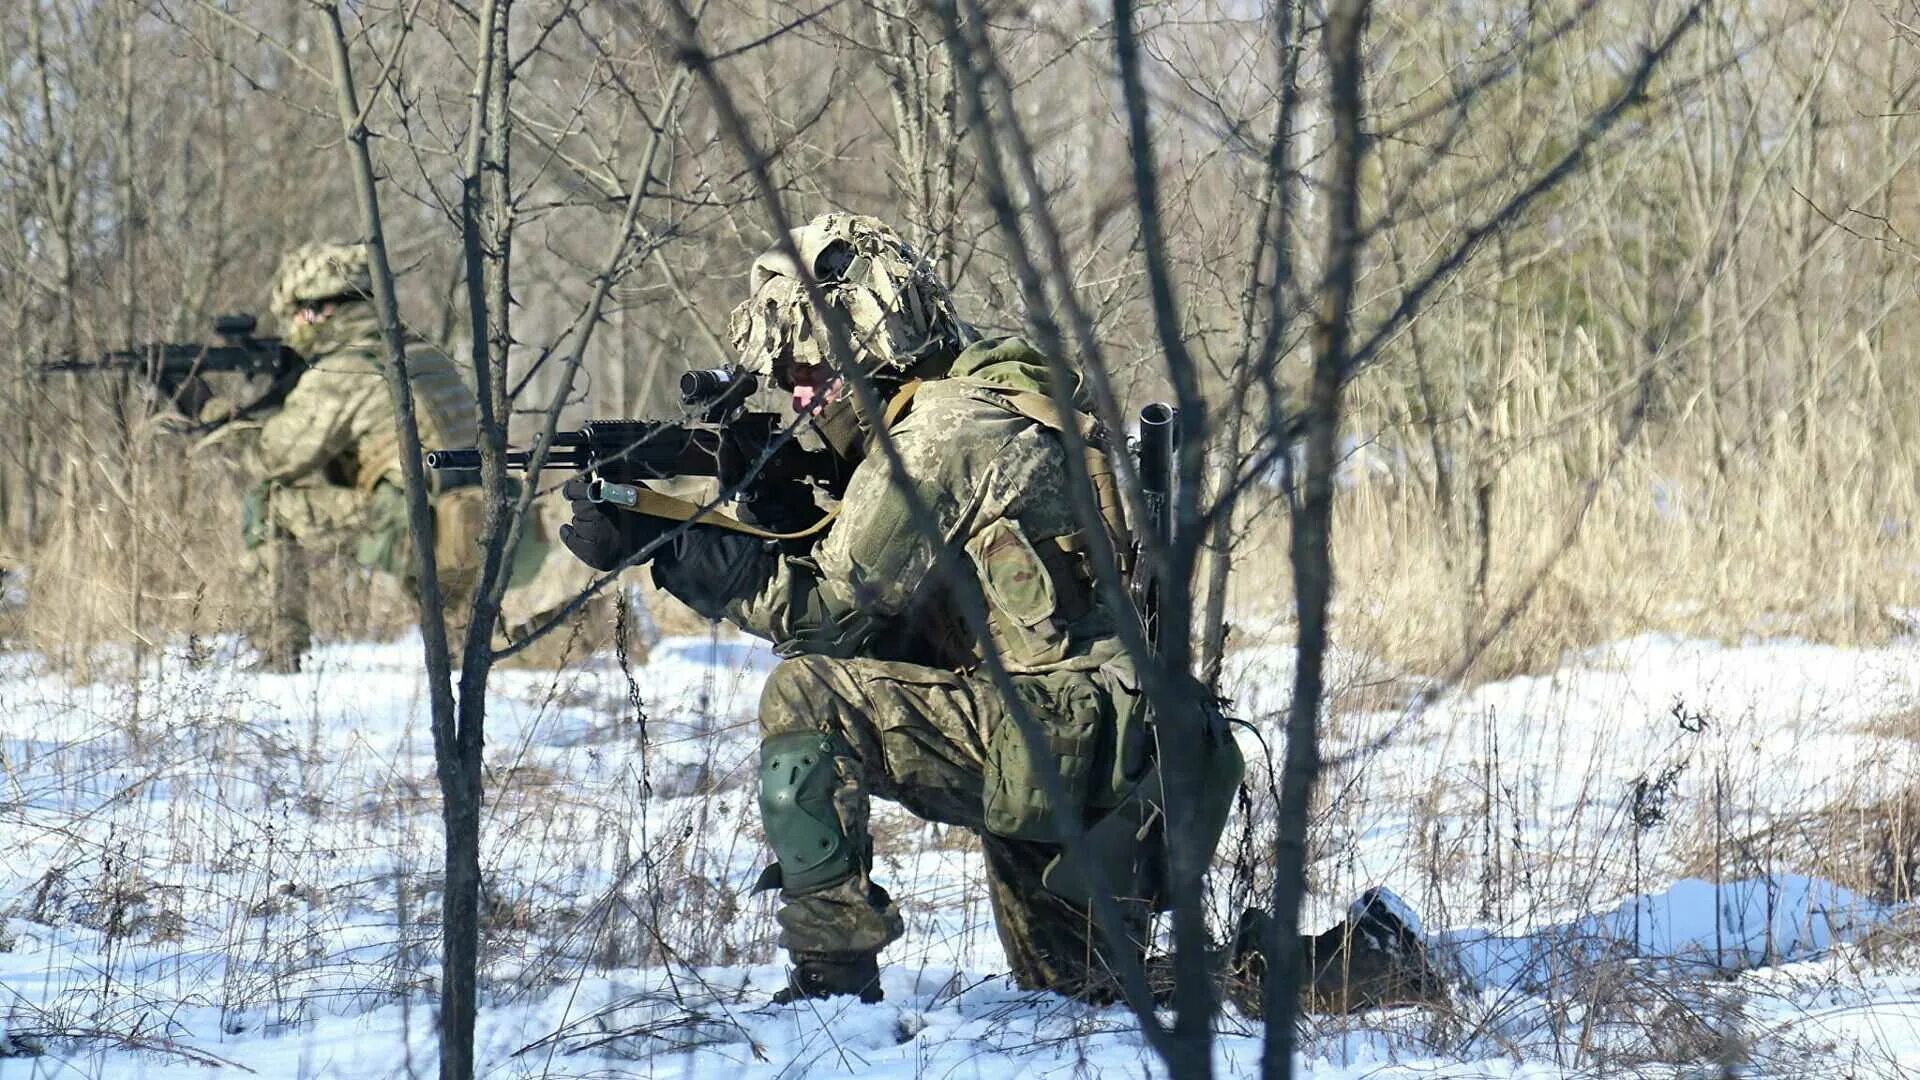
point(1664, 856)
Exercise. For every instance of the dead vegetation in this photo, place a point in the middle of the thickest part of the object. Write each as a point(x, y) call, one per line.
point(1675, 397)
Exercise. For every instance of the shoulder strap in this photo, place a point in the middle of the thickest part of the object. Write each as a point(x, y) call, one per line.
point(661, 505)
point(901, 401)
point(1042, 410)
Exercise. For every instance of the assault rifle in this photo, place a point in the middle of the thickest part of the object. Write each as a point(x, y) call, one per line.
point(175, 369)
point(751, 454)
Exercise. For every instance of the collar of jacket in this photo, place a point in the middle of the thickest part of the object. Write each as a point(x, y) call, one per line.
point(1011, 364)
point(840, 427)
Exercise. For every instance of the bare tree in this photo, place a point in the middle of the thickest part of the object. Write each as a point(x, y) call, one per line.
point(1499, 254)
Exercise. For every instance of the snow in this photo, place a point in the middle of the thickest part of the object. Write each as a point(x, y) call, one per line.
point(1621, 864)
point(1705, 926)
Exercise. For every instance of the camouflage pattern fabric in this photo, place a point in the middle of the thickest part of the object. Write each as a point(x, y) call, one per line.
point(984, 471)
point(338, 421)
point(895, 305)
point(331, 456)
point(919, 737)
point(880, 658)
point(314, 274)
point(331, 459)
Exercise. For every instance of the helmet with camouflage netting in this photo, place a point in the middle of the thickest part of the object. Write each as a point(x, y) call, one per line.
point(898, 311)
point(319, 272)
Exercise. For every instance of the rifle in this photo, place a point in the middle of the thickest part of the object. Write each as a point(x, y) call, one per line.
point(751, 454)
point(175, 368)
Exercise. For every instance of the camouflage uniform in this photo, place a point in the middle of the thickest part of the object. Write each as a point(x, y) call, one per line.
point(881, 665)
point(882, 677)
point(329, 459)
point(881, 691)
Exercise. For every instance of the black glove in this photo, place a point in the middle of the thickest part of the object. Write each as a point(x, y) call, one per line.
point(605, 536)
point(779, 507)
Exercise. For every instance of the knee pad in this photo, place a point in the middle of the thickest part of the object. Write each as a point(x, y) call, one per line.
point(797, 779)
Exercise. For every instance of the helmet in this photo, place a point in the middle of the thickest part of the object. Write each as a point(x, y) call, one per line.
point(898, 311)
point(312, 273)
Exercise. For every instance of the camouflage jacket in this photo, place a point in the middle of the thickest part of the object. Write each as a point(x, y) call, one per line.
point(336, 427)
point(996, 483)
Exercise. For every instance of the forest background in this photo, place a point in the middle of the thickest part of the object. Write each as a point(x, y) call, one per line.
point(1735, 265)
point(1633, 284)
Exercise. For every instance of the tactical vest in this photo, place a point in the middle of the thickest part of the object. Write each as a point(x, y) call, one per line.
point(443, 406)
point(1039, 585)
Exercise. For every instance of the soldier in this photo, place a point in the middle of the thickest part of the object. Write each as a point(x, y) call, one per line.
point(329, 458)
point(881, 692)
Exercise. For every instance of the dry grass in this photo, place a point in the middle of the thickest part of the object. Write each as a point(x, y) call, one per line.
point(152, 555)
point(154, 558)
point(1805, 532)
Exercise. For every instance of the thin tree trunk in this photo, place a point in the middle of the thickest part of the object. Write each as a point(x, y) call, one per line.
point(1181, 761)
point(1273, 234)
point(460, 810)
point(59, 188)
point(463, 797)
point(1312, 540)
point(125, 403)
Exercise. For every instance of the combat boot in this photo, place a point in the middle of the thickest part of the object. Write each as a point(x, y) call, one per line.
point(825, 975)
point(1373, 958)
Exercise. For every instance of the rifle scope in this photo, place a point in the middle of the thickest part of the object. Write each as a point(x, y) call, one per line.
point(703, 386)
point(235, 326)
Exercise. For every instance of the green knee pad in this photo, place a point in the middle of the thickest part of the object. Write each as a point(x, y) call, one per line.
point(797, 779)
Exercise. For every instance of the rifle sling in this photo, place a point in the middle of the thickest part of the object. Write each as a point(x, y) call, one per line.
point(661, 505)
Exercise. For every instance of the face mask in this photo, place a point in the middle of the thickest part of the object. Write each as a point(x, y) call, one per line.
point(811, 386)
point(301, 337)
point(838, 423)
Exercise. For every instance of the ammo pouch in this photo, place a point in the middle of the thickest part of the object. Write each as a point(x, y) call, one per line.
point(1068, 714)
point(1129, 846)
point(459, 526)
point(1034, 589)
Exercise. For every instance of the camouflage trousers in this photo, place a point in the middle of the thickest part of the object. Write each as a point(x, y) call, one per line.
point(371, 528)
point(917, 736)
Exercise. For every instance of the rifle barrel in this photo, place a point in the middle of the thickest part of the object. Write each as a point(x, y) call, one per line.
point(564, 455)
point(1159, 435)
point(257, 357)
point(453, 459)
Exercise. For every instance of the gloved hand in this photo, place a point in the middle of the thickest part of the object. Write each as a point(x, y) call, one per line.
point(179, 417)
point(218, 410)
point(605, 536)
